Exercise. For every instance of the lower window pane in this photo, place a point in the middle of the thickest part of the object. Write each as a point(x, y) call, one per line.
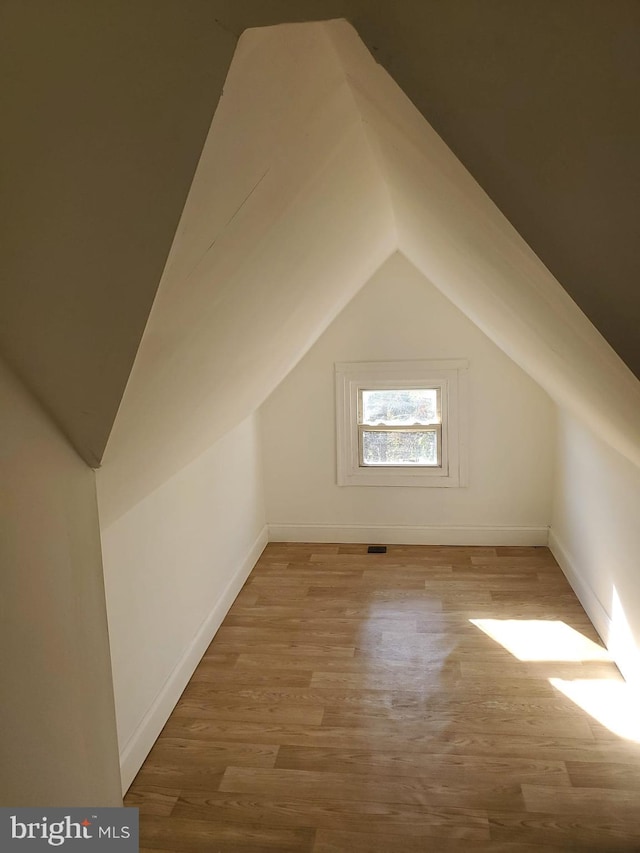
point(400, 447)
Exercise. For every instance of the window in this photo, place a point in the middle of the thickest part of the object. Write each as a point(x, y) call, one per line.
point(401, 423)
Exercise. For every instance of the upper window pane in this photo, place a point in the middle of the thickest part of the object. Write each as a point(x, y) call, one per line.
point(403, 406)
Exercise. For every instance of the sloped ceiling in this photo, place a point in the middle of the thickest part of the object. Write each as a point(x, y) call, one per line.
point(108, 108)
point(452, 231)
point(317, 167)
point(287, 218)
point(105, 107)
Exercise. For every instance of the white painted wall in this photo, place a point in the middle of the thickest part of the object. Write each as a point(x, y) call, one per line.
point(286, 219)
point(58, 741)
point(451, 230)
point(400, 315)
point(595, 536)
point(173, 565)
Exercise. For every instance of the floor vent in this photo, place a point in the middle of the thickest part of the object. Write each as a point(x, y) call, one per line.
point(377, 549)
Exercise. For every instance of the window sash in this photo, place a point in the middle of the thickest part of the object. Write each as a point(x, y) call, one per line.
point(434, 427)
point(398, 386)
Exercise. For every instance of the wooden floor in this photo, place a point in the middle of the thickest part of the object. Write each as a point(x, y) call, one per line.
point(348, 704)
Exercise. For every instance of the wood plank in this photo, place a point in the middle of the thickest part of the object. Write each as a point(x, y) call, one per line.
point(260, 634)
point(445, 769)
point(178, 763)
point(331, 841)
point(405, 738)
point(350, 608)
point(373, 664)
point(541, 669)
point(286, 648)
point(580, 801)
point(200, 836)
point(204, 709)
point(606, 774)
point(567, 832)
point(420, 598)
point(405, 679)
point(403, 820)
point(470, 722)
point(297, 696)
point(413, 790)
point(251, 676)
point(152, 800)
point(336, 625)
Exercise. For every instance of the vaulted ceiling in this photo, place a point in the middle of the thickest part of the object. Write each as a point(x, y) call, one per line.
point(316, 168)
point(108, 107)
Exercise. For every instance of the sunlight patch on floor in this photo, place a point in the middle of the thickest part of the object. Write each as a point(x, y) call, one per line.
point(612, 703)
point(542, 640)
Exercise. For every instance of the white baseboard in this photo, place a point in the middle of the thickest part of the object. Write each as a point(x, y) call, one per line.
point(612, 627)
point(588, 599)
point(408, 535)
point(139, 744)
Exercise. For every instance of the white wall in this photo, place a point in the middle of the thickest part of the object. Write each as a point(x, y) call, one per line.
point(595, 536)
point(286, 219)
point(173, 565)
point(58, 741)
point(452, 231)
point(399, 315)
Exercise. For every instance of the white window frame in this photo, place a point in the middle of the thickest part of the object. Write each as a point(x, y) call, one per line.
point(449, 377)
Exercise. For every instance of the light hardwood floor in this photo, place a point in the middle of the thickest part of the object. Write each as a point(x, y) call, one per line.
point(348, 703)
